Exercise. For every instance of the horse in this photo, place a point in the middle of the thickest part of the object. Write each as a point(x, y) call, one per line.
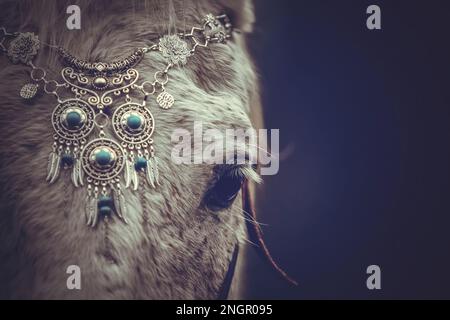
point(180, 240)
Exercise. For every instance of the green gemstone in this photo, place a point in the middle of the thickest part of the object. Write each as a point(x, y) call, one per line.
point(105, 211)
point(67, 159)
point(134, 122)
point(105, 201)
point(103, 158)
point(73, 119)
point(141, 163)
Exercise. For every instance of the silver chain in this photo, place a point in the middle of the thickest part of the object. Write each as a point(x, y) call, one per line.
point(176, 49)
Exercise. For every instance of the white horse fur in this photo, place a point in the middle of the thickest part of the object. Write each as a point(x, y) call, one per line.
point(184, 250)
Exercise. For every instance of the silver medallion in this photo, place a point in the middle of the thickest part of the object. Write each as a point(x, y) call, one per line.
point(73, 119)
point(133, 123)
point(102, 159)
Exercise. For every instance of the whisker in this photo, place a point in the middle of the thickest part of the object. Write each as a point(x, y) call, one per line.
point(258, 223)
point(266, 151)
point(251, 220)
point(242, 237)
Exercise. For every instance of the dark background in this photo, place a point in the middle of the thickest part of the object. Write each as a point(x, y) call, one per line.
point(364, 120)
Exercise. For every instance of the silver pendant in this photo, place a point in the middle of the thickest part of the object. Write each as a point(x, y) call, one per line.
point(98, 164)
point(73, 121)
point(134, 124)
point(29, 90)
point(165, 100)
point(103, 160)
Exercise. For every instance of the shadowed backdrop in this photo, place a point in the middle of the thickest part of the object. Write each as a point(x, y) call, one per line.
point(364, 125)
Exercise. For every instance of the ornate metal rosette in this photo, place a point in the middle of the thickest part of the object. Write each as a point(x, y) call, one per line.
point(73, 119)
point(133, 124)
point(102, 159)
point(23, 48)
point(174, 49)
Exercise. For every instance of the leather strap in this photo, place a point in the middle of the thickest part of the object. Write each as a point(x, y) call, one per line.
point(255, 232)
point(225, 288)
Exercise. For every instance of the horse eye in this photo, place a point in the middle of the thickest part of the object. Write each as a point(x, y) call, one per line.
point(222, 194)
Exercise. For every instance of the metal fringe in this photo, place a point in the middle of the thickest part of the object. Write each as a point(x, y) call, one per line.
point(56, 166)
point(120, 205)
point(128, 169)
point(91, 211)
point(53, 166)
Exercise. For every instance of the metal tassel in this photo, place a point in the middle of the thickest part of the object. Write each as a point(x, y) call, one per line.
point(127, 173)
point(149, 173)
point(74, 174)
point(91, 210)
point(156, 170)
point(120, 206)
point(57, 165)
point(95, 215)
point(123, 207)
point(80, 173)
point(134, 179)
point(117, 204)
point(50, 165)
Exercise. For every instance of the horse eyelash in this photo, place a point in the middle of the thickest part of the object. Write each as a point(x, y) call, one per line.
point(243, 172)
point(250, 174)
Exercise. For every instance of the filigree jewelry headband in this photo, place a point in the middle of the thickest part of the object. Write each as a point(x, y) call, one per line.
point(101, 163)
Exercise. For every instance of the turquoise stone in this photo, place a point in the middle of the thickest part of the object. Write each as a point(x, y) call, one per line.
point(140, 163)
point(67, 159)
point(134, 122)
point(103, 158)
point(105, 211)
point(73, 119)
point(105, 201)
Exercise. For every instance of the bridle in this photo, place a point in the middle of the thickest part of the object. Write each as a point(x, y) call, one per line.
point(255, 235)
